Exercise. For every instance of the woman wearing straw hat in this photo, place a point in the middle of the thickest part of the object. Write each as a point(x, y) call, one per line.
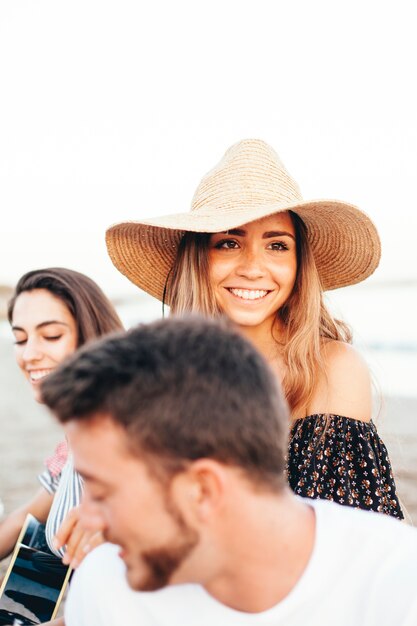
point(252, 249)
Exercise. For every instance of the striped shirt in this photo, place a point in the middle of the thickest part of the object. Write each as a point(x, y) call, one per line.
point(67, 489)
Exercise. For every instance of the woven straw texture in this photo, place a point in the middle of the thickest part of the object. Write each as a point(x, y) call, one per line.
point(249, 183)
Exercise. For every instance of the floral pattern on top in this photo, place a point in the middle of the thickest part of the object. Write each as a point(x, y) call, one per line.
point(341, 459)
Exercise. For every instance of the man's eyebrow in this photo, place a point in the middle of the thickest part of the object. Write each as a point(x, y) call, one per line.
point(42, 325)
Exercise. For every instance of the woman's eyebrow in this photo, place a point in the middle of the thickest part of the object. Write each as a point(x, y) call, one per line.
point(41, 325)
point(270, 234)
point(239, 232)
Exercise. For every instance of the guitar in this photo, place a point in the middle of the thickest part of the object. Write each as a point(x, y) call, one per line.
point(35, 580)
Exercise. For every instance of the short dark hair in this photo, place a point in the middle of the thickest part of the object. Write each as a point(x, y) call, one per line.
point(183, 388)
point(92, 311)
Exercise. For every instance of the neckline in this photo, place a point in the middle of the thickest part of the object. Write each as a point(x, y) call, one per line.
point(331, 415)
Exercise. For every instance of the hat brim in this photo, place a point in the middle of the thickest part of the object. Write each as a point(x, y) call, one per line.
point(344, 241)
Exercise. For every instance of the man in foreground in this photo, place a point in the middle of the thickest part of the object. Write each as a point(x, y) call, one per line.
point(179, 431)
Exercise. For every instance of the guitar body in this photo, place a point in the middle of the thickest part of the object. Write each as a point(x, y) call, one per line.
point(35, 580)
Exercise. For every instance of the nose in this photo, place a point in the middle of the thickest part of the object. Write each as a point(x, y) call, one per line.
point(250, 264)
point(32, 351)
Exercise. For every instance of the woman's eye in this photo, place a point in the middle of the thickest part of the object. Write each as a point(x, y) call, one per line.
point(21, 342)
point(278, 245)
point(226, 244)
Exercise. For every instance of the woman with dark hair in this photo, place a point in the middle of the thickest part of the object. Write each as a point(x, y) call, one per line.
point(251, 248)
point(53, 312)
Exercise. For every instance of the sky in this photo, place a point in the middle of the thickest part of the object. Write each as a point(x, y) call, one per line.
point(113, 111)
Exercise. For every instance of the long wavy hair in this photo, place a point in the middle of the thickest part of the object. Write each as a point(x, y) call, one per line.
point(306, 320)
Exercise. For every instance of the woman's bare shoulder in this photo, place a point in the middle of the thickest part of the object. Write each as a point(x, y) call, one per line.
point(341, 354)
point(345, 387)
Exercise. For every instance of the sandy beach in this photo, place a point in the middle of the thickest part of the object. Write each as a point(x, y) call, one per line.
point(28, 434)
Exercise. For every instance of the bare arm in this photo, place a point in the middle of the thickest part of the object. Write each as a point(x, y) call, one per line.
point(55, 622)
point(10, 528)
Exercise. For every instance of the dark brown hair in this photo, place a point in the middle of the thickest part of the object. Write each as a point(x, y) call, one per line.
point(92, 311)
point(183, 389)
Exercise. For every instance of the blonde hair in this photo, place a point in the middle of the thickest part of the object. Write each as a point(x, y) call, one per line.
point(305, 317)
point(189, 288)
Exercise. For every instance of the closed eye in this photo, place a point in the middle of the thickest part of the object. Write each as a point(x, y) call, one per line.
point(97, 499)
point(20, 342)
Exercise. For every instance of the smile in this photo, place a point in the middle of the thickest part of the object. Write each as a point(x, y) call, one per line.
point(249, 294)
point(36, 375)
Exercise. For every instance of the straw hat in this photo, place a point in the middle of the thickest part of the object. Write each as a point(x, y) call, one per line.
point(249, 183)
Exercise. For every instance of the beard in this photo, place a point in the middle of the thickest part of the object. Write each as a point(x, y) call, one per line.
point(162, 562)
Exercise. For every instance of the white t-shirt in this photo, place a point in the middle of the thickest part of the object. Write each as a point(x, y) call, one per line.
point(363, 571)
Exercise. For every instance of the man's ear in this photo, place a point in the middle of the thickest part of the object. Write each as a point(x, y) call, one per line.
point(200, 490)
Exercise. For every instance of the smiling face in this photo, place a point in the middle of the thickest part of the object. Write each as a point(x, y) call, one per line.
point(253, 270)
point(45, 333)
point(129, 504)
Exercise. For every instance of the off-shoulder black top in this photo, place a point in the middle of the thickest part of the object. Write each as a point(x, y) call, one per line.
point(342, 459)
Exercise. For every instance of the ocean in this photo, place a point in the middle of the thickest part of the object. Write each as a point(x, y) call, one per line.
point(382, 317)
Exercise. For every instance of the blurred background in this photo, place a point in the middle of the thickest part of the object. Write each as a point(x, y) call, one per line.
point(113, 111)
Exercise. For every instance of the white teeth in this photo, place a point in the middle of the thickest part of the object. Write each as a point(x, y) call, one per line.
point(38, 374)
point(249, 294)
